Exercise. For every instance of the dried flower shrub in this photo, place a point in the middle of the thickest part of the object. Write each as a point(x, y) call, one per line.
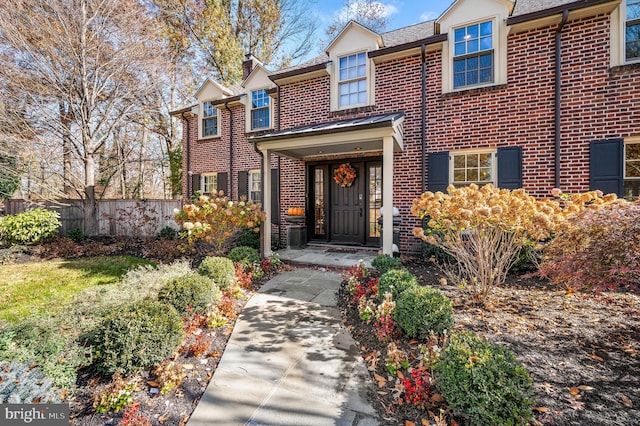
point(216, 219)
point(485, 228)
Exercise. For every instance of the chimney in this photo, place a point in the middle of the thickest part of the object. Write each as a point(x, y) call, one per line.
point(248, 65)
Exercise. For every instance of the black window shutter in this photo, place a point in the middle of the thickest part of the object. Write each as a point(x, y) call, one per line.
point(438, 179)
point(195, 184)
point(606, 165)
point(243, 184)
point(510, 167)
point(275, 196)
point(223, 178)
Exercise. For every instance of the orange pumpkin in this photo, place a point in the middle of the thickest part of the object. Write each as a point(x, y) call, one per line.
point(295, 211)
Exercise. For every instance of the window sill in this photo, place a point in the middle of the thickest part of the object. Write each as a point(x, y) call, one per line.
point(474, 91)
point(258, 132)
point(208, 139)
point(355, 110)
point(624, 69)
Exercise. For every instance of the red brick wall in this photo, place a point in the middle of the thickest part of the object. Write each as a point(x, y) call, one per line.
point(597, 103)
point(212, 155)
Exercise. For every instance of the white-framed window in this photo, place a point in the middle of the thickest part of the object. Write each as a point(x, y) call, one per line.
point(632, 31)
point(632, 169)
point(255, 185)
point(473, 55)
point(209, 183)
point(260, 110)
point(467, 167)
point(209, 120)
point(352, 80)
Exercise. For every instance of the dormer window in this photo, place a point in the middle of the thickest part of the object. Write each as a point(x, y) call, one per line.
point(632, 31)
point(473, 59)
point(352, 82)
point(260, 111)
point(209, 120)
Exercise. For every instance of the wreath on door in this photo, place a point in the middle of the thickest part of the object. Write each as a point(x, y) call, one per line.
point(344, 175)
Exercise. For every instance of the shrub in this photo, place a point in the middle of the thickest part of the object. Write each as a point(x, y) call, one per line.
point(116, 396)
point(485, 228)
point(248, 237)
point(138, 336)
point(395, 282)
point(147, 280)
point(220, 269)
point(190, 293)
point(483, 383)
point(384, 262)
point(246, 256)
point(216, 219)
point(597, 249)
point(422, 310)
point(76, 234)
point(30, 227)
point(168, 233)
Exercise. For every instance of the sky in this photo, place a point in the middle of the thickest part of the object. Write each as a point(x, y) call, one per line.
point(402, 12)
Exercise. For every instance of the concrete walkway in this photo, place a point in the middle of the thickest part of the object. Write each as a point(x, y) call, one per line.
point(335, 257)
point(289, 361)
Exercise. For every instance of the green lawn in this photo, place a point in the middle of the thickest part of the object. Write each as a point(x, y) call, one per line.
point(47, 287)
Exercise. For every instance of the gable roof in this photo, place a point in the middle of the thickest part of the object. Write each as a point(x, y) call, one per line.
point(346, 28)
point(393, 38)
point(525, 10)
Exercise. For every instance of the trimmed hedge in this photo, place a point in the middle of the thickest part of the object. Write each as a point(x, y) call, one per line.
point(383, 263)
point(483, 383)
point(138, 336)
point(395, 282)
point(220, 269)
point(192, 292)
point(422, 310)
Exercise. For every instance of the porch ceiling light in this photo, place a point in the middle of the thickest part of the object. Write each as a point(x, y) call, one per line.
point(358, 148)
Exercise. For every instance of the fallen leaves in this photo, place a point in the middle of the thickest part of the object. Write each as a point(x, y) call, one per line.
point(596, 357)
point(626, 401)
point(381, 380)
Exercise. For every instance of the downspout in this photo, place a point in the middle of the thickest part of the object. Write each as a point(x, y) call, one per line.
point(188, 155)
point(558, 83)
point(226, 105)
point(424, 117)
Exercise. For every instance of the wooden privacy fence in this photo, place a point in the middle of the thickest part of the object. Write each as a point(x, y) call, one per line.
point(135, 218)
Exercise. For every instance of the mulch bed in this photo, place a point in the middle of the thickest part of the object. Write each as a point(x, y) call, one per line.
point(172, 408)
point(582, 350)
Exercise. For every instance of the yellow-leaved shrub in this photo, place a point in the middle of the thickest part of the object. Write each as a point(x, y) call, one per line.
point(484, 228)
point(216, 219)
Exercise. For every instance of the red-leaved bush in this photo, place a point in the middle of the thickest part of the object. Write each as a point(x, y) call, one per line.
point(598, 249)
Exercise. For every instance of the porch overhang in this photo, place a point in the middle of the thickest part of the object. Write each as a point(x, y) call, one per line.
point(377, 133)
point(353, 136)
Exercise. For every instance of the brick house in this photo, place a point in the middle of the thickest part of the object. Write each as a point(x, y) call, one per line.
point(533, 93)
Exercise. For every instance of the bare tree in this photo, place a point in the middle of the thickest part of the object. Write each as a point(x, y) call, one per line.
point(369, 13)
point(221, 32)
point(83, 67)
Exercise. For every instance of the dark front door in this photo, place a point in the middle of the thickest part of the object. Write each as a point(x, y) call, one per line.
point(349, 214)
point(348, 220)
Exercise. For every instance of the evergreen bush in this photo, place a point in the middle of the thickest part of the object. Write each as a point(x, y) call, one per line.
point(30, 227)
point(483, 383)
point(383, 263)
point(395, 281)
point(422, 310)
point(138, 336)
point(190, 293)
point(246, 256)
point(220, 269)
